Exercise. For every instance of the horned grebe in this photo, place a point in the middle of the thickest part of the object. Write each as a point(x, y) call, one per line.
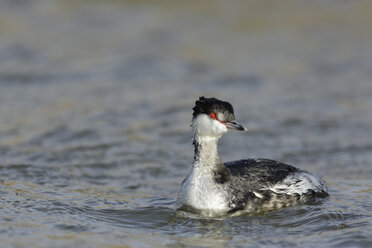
point(249, 185)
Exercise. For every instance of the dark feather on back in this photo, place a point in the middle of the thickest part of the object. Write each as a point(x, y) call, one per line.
point(253, 174)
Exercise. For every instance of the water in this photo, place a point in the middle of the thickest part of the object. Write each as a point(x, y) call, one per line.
point(95, 106)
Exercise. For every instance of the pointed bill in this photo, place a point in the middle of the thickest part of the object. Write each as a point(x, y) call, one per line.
point(233, 125)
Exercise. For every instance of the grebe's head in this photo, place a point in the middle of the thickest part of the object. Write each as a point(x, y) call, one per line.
point(213, 118)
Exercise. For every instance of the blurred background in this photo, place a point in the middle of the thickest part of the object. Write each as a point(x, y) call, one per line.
point(95, 109)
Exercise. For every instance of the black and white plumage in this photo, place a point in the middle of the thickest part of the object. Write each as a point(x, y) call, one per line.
point(249, 185)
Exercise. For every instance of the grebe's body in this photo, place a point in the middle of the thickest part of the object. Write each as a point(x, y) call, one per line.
point(250, 185)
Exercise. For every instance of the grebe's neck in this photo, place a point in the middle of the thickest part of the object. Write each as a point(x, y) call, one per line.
point(207, 162)
point(206, 152)
point(207, 132)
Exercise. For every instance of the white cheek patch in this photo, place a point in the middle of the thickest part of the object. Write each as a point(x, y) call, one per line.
point(218, 128)
point(205, 126)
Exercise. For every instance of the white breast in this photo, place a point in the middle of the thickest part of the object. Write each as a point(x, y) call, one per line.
point(201, 192)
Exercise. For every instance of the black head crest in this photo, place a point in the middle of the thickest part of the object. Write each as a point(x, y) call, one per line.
point(209, 105)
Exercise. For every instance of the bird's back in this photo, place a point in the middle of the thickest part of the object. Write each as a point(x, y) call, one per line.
point(259, 184)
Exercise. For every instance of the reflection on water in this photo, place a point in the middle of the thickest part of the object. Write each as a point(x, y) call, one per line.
point(95, 106)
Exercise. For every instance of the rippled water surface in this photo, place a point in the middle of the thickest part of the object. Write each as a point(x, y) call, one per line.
point(95, 108)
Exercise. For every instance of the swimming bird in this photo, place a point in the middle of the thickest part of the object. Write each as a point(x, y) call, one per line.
point(248, 185)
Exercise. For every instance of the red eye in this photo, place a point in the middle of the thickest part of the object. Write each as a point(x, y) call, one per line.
point(213, 116)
